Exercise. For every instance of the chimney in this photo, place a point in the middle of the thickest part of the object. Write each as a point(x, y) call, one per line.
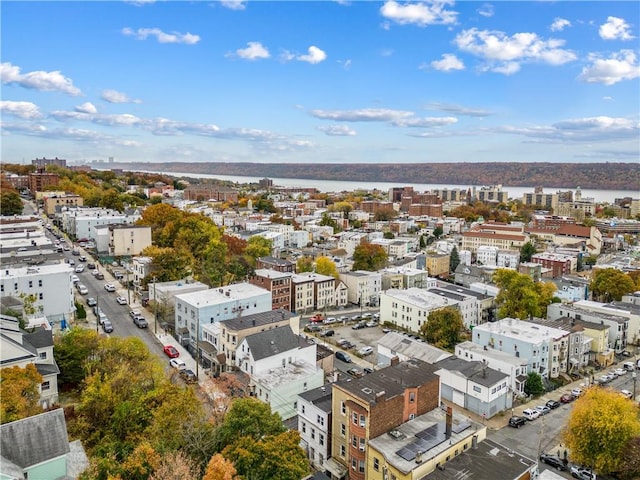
point(474, 442)
point(449, 421)
point(395, 360)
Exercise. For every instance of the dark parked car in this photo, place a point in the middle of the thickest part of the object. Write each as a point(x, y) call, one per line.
point(327, 333)
point(552, 404)
point(553, 461)
point(310, 327)
point(188, 376)
point(517, 422)
point(107, 326)
point(343, 356)
point(355, 373)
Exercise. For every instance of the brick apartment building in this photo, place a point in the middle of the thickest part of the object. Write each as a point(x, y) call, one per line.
point(278, 283)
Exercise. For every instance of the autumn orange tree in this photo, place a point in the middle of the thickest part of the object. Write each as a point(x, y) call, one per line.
point(368, 256)
point(219, 468)
point(326, 266)
point(20, 393)
point(600, 427)
point(520, 296)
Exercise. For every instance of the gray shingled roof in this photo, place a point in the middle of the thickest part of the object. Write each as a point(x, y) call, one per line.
point(472, 371)
point(36, 439)
point(271, 342)
point(257, 319)
point(40, 338)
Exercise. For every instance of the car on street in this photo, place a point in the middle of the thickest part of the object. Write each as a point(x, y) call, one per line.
point(312, 327)
point(543, 409)
point(359, 325)
point(75, 279)
point(582, 473)
point(553, 461)
point(109, 287)
point(330, 320)
point(343, 319)
point(134, 313)
point(576, 392)
point(107, 326)
point(71, 261)
point(91, 266)
point(140, 321)
point(386, 330)
point(626, 393)
point(530, 414)
point(619, 372)
point(367, 370)
point(99, 275)
point(629, 366)
point(80, 268)
point(91, 302)
point(188, 376)
point(604, 379)
point(121, 300)
point(177, 364)
point(366, 350)
point(517, 422)
point(552, 404)
point(344, 357)
point(567, 398)
point(82, 289)
point(355, 373)
point(355, 318)
point(328, 333)
point(82, 258)
point(171, 351)
point(75, 252)
point(346, 344)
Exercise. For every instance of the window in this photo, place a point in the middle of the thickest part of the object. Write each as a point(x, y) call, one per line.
point(343, 408)
point(355, 418)
point(343, 429)
point(302, 408)
point(320, 420)
point(313, 434)
point(45, 386)
point(321, 439)
point(354, 463)
point(477, 389)
point(376, 464)
point(354, 441)
point(39, 283)
point(343, 451)
point(304, 427)
point(40, 296)
point(412, 397)
point(43, 355)
point(363, 421)
point(362, 444)
point(361, 466)
point(30, 283)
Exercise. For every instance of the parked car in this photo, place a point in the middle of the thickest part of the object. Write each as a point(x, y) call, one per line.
point(576, 392)
point(582, 473)
point(177, 364)
point(354, 372)
point(371, 324)
point(140, 322)
point(91, 266)
point(619, 372)
point(327, 333)
point(121, 300)
point(107, 326)
point(359, 325)
point(629, 366)
point(99, 275)
point(517, 422)
point(355, 318)
point(543, 409)
point(386, 330)
point(567, 398)
point(311, 327)
point(83, 290)
point(552, 404)
point(74, 279)
point(530, 414)
point(91, 302)
point(330, 320)
point(365, 350)
point(80, 268)
point(346, 344)
point(344, 357)
point(367, 370)
point(171, 351)
point(553, 461)
point(75, 252)
point(626, 393)
point(188, 376)
point(109, 287)
point(82, 258)
point(134, 313)
point(317, 318)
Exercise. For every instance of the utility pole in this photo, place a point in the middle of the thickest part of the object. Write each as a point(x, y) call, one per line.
point(128, 290)
point(97, 312)
point(155, 308)
point(197, 340)
point(634, 375)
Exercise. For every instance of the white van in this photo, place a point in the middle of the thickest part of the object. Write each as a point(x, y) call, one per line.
point(530, 414)
point(628, 366)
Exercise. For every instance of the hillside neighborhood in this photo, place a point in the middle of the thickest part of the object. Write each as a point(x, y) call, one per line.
point(153, 324)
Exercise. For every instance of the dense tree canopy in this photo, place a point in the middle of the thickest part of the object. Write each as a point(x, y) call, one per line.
point(368, 256)
point(304, 264)
point(599, 440)
point(611, 284)
point(533, 384)
point(443, 328)
point(521, 297)
point(527, 251)
point(20, 393)
point(326, 266)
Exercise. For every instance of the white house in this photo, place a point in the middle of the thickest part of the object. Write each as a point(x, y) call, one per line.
point(395, 344)
point(281, 365)
point(364, 287)
point(508, 259)
point(467, 305)
point(314, 425)
point(410, 308)
point(487, 255)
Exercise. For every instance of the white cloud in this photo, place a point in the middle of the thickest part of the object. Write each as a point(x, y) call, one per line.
point(254, 51)
point(314, 55)
point(421, 13)
point(615, 29)
point(620, 66)
point(162, 37)
point(234, 4)
point(504, 53)
point(346, 64)
point(338, 130)
point(86, 107)
point(426, 122)
point(559, 24)
point(486, 10)
point(459, 110)
point(38, 80)
point(363, 115)
point(25, 110)
point(113, 96)
point(607, 98)
point(448, 63)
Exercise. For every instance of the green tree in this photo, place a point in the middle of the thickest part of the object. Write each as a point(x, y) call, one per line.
point(443, 328)
point(438, 231)
point(304, 264)
point(385, 215)
point(527, 251)
point(10, 203)
point(20, 393)
point(370, 257)
point(72, 349)
point(258, 246)
point(326, 266)
point(327, 221)
point(423, 242)
point(520, 296)
point(611, 284)
point(454, 259)
point(533, 384)
point(599, 440)
point(167, 264)
point(388, 235)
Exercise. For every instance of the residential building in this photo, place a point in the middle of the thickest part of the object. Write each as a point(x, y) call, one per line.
point(281, 365)
point(163, 295)
point(127, 240)
point(55, 203)
point(487, 256)
point(363, 287)
point(545, 221)
point(210, 192)
point(505, 362)
point(277, 264)
point(409, 309)
point(541, 346)
point(587, 240)
point(42, 163)
point(278, 283)
point(540, 200)
point(596, 335)
point(508, 259)
point(437, 264)
point(576, 355)
point(578, 208)
point(324, 289)
point(302, 293)
point(405, 277)
point(314, 425)
point(85, 223)
point(19, 349)
point(38, 447)
point(490, 194)
point(474, 386)
point(486, 304)
point(371, 406)
point(467, 305)
point(141, 268)
point(466, 274)
point(394, 345)
point(38, 181)
point(559, 265)
point(493, 234)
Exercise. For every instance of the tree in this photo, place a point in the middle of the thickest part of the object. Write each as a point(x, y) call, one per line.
point(527, 251)
point(258, 246)
point(167, 264)
point(304, 264)
point(533, 384)
point(20, 393)
point(175, 466)
point(219, 468)
point(454, 259)
point(388, 235)
point(520, 296)
point(611, 284)
point(438, 231)
point(327, 221)
point(72, 349)
point(10, 203)
point(443, 328)
point(326, 266)
point(599, 440)
point(630, 470)
point(368, 256)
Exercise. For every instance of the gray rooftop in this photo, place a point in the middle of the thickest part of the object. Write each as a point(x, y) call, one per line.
point(271, 342)
point(320, 397)
point(40, 338)
point(475, 371)
point(257, 319)
point(463, 291)
point(449, 294)
point(411, 348)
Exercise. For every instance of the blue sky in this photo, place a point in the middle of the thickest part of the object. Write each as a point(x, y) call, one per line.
point(327, 81)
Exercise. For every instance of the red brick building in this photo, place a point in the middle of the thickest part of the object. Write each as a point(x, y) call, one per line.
point(278, 283)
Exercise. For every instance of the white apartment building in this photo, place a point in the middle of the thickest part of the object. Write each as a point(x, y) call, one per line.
point(314, 425)
point(465, 256)
point(140, 267)
point(49, 286)
point(122, 240)
point(79, 222)
point(406, 277)
point(364, 287)
point(410, 308)
point(302, 293)
point(508, 259)
point(487, 256)
point(468, 305)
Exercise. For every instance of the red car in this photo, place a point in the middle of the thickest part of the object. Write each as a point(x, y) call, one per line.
point(171, 351)
point(567, 398)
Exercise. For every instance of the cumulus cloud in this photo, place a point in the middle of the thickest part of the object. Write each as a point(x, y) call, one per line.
point(254, 51)
point(459, 110)
point(505, 54)
point(26, 110)
point(421, 13)
point(486, 10)
point(615, 29)
point(113, 96)
point(559, 24)
point(448, 63)
point(426, 122)
point(161, 37)
point(619, 66)
point(234, 4)
point(397, 118)
point(38, 80)
point(314, 55)
point(75, 134)
point(86, 107)
point(338, 130)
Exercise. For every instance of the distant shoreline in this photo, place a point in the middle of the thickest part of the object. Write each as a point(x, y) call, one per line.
point(599, 176)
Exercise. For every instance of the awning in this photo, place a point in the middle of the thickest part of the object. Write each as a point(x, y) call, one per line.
point(336, 469)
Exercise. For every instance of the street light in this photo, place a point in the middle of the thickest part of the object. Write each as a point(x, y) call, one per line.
point(634, 375)
point(197, 340)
